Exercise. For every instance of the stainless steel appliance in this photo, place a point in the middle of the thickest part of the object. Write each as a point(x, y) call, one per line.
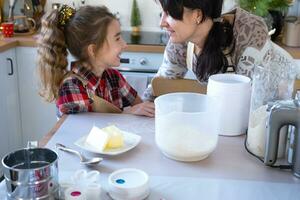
point(139, 68)
point(32, 174)
point(283, 113)
point(291, 31)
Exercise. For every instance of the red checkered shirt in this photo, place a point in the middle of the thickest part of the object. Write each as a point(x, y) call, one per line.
point(111, 86)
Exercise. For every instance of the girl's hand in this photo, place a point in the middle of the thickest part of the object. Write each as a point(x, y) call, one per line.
point(145, 108)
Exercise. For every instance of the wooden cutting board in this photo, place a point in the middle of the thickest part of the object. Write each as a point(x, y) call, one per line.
point(296, 86)
point(162, 86)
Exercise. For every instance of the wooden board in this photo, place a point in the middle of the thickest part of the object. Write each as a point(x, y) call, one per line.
point(162, 86)
point(296, 86)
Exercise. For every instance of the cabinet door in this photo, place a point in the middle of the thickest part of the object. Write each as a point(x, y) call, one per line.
point(3, 128)
point(10, 123)
point(37, 116)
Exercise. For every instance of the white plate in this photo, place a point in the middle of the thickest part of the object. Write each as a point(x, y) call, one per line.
point(130, 141)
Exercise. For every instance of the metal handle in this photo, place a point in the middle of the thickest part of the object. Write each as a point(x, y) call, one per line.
point(33, 25)
point(66, 149)
point(11, 66)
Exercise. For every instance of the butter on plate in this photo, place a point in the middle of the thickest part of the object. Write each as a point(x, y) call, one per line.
point(105, 138)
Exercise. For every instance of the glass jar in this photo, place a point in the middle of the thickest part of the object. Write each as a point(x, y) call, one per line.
point(272, 81)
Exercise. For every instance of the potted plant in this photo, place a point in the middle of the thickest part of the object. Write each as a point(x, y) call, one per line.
point(135, 18)
point(272, 11)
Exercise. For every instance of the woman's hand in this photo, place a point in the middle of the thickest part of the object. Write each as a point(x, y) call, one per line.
point(145, 108)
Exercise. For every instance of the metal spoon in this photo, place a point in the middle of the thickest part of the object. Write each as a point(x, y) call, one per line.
point(83, 160)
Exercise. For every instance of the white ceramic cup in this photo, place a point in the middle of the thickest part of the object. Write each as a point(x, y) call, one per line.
point(234, 92)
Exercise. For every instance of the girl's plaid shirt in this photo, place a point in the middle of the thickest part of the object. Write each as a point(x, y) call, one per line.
point(111, 86)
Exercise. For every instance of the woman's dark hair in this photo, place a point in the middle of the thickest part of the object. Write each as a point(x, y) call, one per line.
point(212, 59)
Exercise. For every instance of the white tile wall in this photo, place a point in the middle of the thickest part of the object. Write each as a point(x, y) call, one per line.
point(149, 10)
point(295, 8)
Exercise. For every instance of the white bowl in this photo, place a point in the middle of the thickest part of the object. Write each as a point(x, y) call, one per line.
point(128, 184)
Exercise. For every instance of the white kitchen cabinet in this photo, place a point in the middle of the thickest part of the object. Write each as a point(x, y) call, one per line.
point(37, 116)
point(10, 124)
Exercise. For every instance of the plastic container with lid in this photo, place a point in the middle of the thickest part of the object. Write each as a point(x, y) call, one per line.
point(186, 125)
point(128, 184)
point(291, 31)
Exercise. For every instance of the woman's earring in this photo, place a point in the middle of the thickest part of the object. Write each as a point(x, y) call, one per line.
point(198, 21)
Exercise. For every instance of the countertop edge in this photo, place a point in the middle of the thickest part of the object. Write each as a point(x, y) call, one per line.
point(4, 46)
point(30, 41)
point(43, 142)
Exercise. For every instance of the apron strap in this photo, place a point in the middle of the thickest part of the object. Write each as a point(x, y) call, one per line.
point(190, 56)
point(99, 104)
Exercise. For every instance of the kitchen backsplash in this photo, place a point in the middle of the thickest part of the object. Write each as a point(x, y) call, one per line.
point(295, 9)
point(149, 10)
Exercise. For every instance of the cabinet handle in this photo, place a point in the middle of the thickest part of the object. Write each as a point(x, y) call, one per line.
point(11, 66)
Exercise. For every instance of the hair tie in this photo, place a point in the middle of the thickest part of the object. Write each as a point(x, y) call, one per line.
point(65, 14)
point(219, 19)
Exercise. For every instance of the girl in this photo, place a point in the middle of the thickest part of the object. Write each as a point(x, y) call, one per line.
point(93, 36)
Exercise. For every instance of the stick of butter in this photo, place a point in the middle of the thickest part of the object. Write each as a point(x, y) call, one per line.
point(106, 138)
point(116, 137)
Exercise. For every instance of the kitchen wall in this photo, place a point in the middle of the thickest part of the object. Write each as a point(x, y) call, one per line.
point(148, 8)
point(295, 8)
point(18, 6)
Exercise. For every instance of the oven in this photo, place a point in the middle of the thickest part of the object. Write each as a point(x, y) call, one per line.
point(139, 68)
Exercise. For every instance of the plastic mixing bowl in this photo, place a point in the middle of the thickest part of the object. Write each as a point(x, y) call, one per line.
point(186, 125)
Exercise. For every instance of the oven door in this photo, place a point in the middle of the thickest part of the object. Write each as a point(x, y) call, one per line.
point(139, 68)
point(138, 80)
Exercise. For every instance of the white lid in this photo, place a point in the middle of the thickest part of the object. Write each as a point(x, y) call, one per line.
point(128, 183)
point(74, 193)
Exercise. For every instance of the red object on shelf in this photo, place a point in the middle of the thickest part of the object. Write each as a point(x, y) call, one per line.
point(7, 29)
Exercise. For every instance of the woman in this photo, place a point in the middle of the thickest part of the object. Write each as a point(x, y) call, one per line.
point(207, 43)
point(93, 36)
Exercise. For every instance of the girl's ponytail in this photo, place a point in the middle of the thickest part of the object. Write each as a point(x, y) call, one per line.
point(52, 56)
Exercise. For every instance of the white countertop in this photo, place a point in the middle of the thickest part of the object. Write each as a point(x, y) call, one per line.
point(228, 173)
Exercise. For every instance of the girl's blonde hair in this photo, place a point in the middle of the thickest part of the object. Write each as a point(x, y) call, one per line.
point(87, 26)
